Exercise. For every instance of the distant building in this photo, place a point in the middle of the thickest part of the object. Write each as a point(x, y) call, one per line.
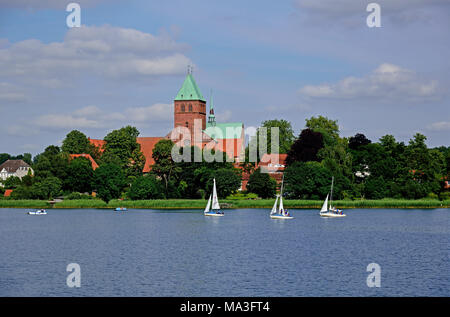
point(18, 168)
point(190, 115)
point(274, 164)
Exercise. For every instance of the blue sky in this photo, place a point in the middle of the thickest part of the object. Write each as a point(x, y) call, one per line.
point(262, 59)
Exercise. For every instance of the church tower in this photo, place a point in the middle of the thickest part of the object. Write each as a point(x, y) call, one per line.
point(189, 105)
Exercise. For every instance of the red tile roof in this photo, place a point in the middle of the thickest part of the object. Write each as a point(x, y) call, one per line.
point(147, 145)
point(98, 143)
point(88, 156)
point(8, 192)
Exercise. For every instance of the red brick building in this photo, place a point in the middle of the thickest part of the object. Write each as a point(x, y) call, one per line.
point(191, 127)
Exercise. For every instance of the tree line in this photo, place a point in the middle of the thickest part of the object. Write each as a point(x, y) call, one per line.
point(362, 169)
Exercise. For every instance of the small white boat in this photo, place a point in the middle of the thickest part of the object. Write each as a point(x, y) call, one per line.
point(212, 209)
point(331, 212)
point(38, 212)
point(280, 213)
point(121, 209)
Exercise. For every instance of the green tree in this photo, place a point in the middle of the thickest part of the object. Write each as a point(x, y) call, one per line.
point(285, 133)
point(108, 181)
point(262, 184)
point(146, 187)
point(4, 157)
point(307, 180)
point(327, 127)
point(228, 181)
point(337, 159)
point(122, 148)
point(52, 162)
point(46, 188)
point(164, 167)
point(79, 175)
point(306, 147)
point(12, 182)
point(358, 140)
point(76, 142)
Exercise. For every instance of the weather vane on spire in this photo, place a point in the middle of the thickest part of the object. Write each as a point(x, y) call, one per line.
point(190, 68)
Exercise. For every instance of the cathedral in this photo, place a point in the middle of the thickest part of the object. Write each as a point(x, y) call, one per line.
point(192, 127)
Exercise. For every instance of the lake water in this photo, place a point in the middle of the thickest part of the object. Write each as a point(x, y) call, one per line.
point(245, 253)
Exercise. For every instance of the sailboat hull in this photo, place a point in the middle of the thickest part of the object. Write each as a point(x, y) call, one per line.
point(280, 217)
point(213, 214)
point(331, 215)
point(37, 213)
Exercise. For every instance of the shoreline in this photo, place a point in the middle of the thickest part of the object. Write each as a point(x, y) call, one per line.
point(175, 204)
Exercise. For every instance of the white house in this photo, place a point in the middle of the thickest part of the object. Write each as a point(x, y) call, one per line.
point(17, 168)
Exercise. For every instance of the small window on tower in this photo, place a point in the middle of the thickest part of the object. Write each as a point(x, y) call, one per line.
point(190, 108)
point(183, 109)
point(187, 124)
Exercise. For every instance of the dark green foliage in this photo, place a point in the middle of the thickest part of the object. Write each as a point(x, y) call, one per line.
point(227, 182)
point(307, 180)
point(122, 149)
point(358, 140)
point(285, 132)
point(306, 147)
point(79, 176)
point(12, 182)
point(26, 157)
point(75, 143)
point(77, 196)
point(262, 184)
point(108, 181)
point(146, 187)
point(42, 188)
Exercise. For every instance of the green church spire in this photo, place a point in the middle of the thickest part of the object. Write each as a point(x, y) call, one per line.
point(189, 90)
point(212, 117)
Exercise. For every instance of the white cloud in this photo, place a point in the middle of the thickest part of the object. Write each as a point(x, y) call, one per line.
point(64, 121)
point(87, 111)
point(107, 52)
point(10, 93)
point(439, 126)
point(388, 82)
point(93, 117)
point(156, 112)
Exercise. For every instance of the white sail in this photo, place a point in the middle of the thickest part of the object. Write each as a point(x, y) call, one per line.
point(281, 209)
point(215, 201)
point(274, 208)
point(331, 195)
point(208, 206)
point(325, 205)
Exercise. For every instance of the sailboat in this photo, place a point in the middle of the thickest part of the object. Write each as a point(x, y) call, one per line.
point(213, 207)
point(280, 213)
point(331, 212)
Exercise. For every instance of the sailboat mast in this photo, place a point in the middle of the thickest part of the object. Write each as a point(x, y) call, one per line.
point(331, 195)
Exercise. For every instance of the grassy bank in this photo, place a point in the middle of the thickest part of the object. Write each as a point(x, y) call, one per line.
point(82, 203)
point(7, 203)
point(200, 204)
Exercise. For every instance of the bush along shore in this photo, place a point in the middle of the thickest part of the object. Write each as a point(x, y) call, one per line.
point(225, 203)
